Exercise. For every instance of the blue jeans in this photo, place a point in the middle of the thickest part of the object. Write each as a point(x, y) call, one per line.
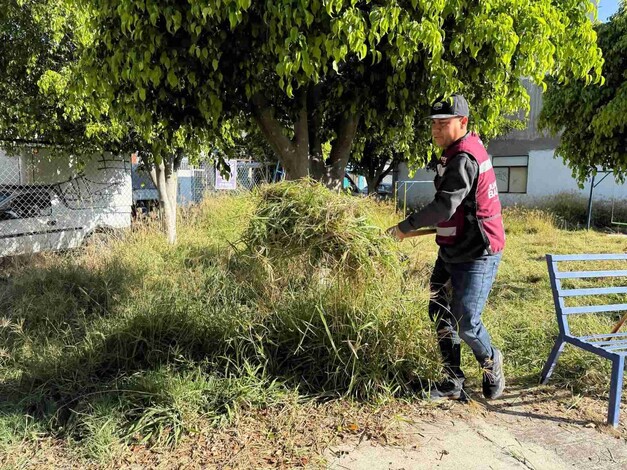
point(458, 294)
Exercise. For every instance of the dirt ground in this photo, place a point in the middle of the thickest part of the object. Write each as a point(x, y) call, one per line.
point(529, 428)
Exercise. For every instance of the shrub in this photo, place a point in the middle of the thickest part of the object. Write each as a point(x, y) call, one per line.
point(572, 210)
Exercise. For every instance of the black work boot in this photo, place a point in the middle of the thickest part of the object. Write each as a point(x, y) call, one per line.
point(449, 389)
point(493, 378)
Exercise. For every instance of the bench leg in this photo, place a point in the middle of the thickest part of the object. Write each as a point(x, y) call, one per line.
point(616, 388)
point(550, 363)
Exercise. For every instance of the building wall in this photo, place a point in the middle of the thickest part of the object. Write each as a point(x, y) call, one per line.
point(549, 176)
point(546, 176)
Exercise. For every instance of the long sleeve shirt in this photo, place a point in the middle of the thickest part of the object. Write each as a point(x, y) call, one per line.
point(454, 184)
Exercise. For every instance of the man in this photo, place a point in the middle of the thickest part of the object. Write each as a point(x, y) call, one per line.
point(467, 214)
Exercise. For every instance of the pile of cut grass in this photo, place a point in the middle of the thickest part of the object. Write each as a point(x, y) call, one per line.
point(337, 309)
point(322, 229)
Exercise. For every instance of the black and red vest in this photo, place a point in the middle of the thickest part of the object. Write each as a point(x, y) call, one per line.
point(483, 207)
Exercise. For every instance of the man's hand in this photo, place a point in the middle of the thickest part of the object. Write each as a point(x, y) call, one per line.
point(395, 233)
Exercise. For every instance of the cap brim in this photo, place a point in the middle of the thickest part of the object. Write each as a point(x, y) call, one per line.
point(441, 116)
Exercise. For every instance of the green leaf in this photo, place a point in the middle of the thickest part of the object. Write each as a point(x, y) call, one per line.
point(172, 79)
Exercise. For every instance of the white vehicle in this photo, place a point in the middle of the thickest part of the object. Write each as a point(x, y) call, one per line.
point(46, 204)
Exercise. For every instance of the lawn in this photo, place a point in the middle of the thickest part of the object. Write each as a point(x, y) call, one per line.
point(289, 296)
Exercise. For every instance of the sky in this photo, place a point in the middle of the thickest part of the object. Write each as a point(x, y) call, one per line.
point(606, 9)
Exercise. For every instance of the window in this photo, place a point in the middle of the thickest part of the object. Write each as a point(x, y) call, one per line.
point(511, 173)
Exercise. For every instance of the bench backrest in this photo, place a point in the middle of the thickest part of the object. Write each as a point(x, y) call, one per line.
point(559, 293)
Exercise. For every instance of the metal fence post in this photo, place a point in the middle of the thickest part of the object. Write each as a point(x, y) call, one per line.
point(404, 199)
point(590, 202)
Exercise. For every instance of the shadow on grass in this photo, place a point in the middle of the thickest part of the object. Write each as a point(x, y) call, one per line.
point(80, 341)
point(87, 340)
point(54, 316)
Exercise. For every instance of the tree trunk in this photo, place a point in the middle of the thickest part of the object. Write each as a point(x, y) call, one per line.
point(341, 151)
point(377, 172)
point(302, 155)
point(164, 176)
point(372, 184)
point(314, 121)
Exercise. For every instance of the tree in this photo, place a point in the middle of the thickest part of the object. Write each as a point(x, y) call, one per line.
point(310, 72)
point(38, 54)
point(375, 157)
point(31, 44)
point(591, 118)
point(375, 164)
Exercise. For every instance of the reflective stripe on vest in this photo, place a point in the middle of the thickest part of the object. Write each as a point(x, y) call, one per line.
point(485, 166)
point(446, 231)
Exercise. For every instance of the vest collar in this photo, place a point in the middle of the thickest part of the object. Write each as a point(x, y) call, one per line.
point(446, 153)
point(458, 141)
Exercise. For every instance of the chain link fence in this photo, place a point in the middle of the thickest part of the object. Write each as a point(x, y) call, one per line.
point(53, 203)
point(196, 183)
point(248, 175)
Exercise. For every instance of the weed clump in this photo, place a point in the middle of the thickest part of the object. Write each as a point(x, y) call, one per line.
point(525, 220)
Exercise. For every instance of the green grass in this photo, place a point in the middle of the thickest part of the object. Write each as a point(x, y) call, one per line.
point(571, 209)
point(289, 294)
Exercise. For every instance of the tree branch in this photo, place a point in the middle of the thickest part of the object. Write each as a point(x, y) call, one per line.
point(270, 127)
point(294, 163)
point(340, 152)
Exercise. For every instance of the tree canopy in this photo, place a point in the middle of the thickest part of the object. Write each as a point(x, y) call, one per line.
point(31, 43)
point(37, 43)
point(591, 118)
point(315, 72)
point(39, 54)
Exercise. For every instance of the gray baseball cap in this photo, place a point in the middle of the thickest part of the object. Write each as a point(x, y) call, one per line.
point(456, 105)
